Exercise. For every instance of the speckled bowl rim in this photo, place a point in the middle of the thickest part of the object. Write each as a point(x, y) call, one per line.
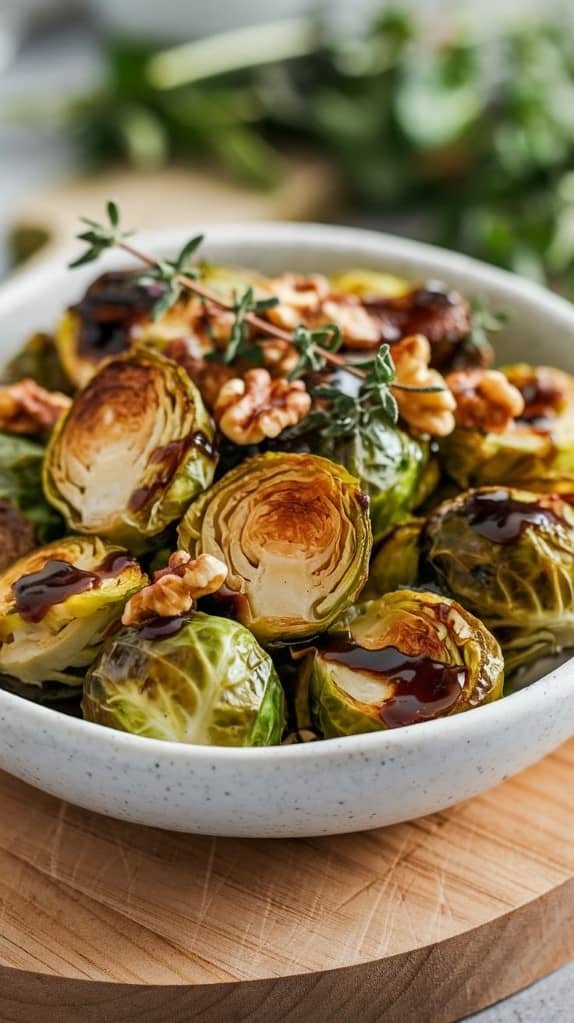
point(557, 685)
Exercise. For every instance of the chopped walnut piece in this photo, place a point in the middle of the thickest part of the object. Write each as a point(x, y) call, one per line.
point(280, 357)
point(175, 588)
point(300, 296)
point(485, 399)
point(250, 409)
point(425, 411)
point(359, 329)
point(28, 408)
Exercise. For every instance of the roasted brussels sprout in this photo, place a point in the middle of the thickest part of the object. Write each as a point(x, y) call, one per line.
point(508, 556)
point(116, 313)
point(55, 605)
point(196, 679)
point(134, 449)
point(534, 452)
point(407, 657)
point(432, 309)
point(38, 360)
point(370, 283)
point(394, 468)
point(26, 519)
point(294, 532)
point(397, 561)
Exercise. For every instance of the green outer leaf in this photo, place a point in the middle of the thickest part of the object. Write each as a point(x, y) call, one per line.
point(209, 684)
point(524, 590)
point(21, 463)
point(389, 463)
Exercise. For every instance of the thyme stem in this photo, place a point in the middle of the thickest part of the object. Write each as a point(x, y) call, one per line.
point(255, 321)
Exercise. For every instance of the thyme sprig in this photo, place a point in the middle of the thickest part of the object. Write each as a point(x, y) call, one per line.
point(312, 347)
point(316, 349)
point(180, 278)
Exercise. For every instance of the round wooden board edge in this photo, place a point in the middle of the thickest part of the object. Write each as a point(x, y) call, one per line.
point(438, 983)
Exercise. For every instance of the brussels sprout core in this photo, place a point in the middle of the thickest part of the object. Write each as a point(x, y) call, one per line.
point(133, 451)
point(196, 679)
point(295, 535)
point(55, 605)
point(407, 657)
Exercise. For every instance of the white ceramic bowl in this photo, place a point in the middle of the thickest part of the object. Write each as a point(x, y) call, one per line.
point(361, 781)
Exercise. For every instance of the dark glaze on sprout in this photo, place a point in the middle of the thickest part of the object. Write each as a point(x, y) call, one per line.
point(225, 603)
point(111, 307)
point(433, 310)
point(502, 519)
point(542, 401)
point(423, 687)
point(56, 581)
point(169, 457)
point(159, 628)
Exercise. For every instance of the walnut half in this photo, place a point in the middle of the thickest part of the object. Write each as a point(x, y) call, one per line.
point(485, 399)
point(175, 588)
point(427, 411)
point(26, 407)
point(248, 409)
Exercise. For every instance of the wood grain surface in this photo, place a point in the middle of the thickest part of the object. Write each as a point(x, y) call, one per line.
point(424, 921)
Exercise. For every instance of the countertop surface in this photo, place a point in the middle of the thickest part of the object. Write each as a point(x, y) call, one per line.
point(32, 157)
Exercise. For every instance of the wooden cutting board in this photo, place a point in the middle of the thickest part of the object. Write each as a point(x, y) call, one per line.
point(424, 922)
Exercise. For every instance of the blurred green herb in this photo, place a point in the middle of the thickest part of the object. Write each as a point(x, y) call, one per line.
point(465, 139)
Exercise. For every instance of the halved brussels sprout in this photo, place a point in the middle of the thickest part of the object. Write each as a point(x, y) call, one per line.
point(38, 360)
point(196, 679)
point(132, 452)
point(440, 313)
point(115, 314)
point(294, 532)
point(394, 469)
point(56, 604)
point(407, 657)
point(535, 452)
point(508, 556)
point(26, 519)
point(369, 283)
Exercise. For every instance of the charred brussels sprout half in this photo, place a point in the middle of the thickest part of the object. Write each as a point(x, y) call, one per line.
point(407, 657)
point(508, 556)
point(132, 452)
point(56, 604)
point(115, 313)
point(197, 679)
point(535, 452)
point(26, 519)
point(394, 469)
point(294, 532)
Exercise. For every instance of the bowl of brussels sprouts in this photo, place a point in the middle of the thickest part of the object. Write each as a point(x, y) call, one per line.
point(286, 527)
